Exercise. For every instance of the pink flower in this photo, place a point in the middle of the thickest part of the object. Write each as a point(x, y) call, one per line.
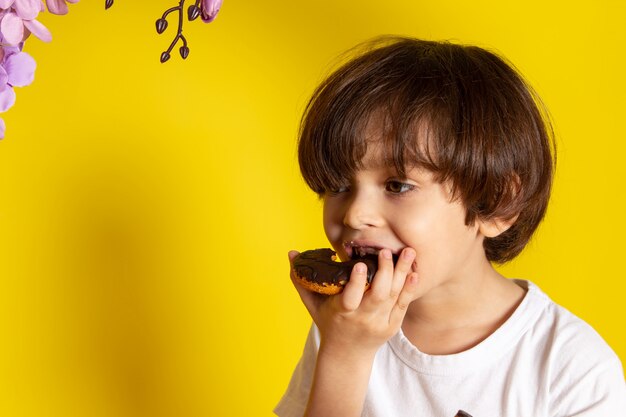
point(59, 6)
point(26, 9)
point(18, 21)
point(17, 69)
point(7, 95)
point(210, 8)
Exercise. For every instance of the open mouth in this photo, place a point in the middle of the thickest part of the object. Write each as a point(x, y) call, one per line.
point(364, 251)
point(356, 252)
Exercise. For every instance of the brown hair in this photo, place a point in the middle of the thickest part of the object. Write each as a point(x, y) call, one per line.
point(487, 133)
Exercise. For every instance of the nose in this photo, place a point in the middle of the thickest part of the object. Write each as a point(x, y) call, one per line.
point(362, 212)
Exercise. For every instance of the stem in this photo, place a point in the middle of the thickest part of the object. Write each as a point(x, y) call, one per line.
point(168, 11)
point(179, 32)
point(173, 43)
point(180, 16)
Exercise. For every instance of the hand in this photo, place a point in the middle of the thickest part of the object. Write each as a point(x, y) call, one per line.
point(357, 321)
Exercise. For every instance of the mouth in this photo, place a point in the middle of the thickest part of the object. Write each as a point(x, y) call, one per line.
point(356, 251)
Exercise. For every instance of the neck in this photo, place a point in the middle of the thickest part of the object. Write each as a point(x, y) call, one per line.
point(461, 313)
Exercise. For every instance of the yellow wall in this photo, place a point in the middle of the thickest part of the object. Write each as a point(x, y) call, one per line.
point(146, 210)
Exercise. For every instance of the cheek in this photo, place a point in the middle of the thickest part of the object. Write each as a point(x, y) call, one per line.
point(416, 227)
point(435, 232)
point(332, 221)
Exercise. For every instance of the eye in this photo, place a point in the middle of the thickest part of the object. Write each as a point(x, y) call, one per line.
point(338, 190)
point(398, 187)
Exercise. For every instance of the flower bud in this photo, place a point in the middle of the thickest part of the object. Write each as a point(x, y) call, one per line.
point(210, 8)
point(184, 52)
point(165, 56)
point(161, 25)
point(108, 4)
point(193, 12)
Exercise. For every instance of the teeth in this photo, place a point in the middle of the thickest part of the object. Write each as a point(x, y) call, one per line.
point(362, 251)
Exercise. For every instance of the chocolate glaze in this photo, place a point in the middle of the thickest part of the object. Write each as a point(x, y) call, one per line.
point(318, 266)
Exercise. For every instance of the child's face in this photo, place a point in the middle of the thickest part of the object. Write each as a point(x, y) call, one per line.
point(377, 209)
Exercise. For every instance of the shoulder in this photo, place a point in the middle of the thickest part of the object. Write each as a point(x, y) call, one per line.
point(579, 367)
point(567, 335)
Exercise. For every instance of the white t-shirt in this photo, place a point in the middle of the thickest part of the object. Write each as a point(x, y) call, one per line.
point(543, 361)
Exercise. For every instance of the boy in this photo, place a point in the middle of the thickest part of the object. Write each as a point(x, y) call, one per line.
point(441, 155)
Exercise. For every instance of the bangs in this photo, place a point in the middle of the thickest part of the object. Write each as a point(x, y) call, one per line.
point(369, 101)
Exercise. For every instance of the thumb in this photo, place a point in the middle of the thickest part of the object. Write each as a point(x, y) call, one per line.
point(310, 299)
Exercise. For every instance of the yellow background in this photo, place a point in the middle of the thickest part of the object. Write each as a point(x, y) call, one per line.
point(146, 210)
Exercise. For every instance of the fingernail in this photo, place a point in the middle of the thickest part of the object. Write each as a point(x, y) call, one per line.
point(386, 253)
point(361, 268)
point(408, 253)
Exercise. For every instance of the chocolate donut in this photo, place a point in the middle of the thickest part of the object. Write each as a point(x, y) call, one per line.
point(318, 271)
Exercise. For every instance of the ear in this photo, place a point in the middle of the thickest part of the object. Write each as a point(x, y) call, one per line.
point(495, 227)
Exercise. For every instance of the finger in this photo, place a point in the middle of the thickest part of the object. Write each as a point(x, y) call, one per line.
point(309, 299)
point(401, 271)
point(292, 254)
point(381, 285)
point(352, 294)
point(410, 292)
